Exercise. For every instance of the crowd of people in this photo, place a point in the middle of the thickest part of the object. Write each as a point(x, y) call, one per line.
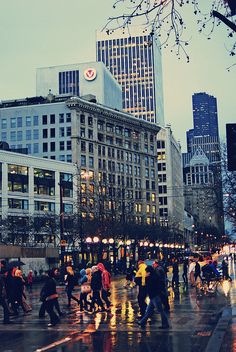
point(95, 285)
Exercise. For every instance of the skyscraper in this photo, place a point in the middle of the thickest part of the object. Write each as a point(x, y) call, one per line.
point(202, 165)
point(133, 57)
point(205, 118)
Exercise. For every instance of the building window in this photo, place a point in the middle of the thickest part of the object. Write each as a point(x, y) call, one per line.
point(61, 132)
point(13, 136)
point(44, 206)
point(82, 119)
point(19, 121)
point(52, 119)
point(4, 123)
point(62, 145)
point(18, 204)
point(83, 146)
point(90, 121)
point(82, 132)
point(68, 117)
point(36, 120)
point(91, 161)
point(4, 136)
point(52, 132)
point(28, 135)
point(28, 146)
point(68, 131)
point(83, 160)
point(62, 157)
point(90, 134)
point(61, 118)
point(90, 147)
point(68, 145)
point(45, 119)
point(52, 146)
point(28, 121)
point(19, 136)
point(45, 147)
point(36, 134)
point(45, 133)
point(13, 122)
point(36, 148)
point(69, 158)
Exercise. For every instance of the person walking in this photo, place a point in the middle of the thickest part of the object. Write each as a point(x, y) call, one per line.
point(3, 303)
point(163, 287)
point(106, 284)
point(96, 287)
point(175, 276)
point(30, 280)
point(153, 289)
point(197, 273)
point(54, 273)
point(185, 271)
point(140, 280)
point(49, 295)
point(191, 270)
point(70, 281)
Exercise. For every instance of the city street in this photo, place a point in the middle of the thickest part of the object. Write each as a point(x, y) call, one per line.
point(196, 325)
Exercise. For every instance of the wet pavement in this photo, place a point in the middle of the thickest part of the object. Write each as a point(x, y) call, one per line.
point(193, 324)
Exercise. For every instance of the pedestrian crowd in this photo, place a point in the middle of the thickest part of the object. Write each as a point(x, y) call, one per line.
point(95, 285)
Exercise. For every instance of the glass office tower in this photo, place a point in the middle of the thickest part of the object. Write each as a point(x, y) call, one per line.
point(134, 59)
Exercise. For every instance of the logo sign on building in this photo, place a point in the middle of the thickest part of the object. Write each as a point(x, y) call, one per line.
point(90, 74)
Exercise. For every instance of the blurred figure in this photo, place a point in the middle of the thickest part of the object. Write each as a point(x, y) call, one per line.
point(70, 281)
point(153, 289)
point(49, 296)
point(191, 270)
point(129, 279)
point(20, 296)
point(85, 288)
point(30, 280)
point(175, 277)
point(140, 280)
point(225, 270)
point(3, 297)
point(185, 271)
point(96, 286)
point(106, 284)
point(162, 283)
point(197, 272)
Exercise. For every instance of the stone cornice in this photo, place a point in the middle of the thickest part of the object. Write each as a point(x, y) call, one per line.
point(77, 103)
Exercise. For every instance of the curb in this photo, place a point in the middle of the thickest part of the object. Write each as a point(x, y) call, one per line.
point(217, 337)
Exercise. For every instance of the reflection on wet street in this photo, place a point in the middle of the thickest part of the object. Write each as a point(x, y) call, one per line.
point(192, 319)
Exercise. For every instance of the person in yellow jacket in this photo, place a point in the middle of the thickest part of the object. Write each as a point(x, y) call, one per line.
point(140, 280)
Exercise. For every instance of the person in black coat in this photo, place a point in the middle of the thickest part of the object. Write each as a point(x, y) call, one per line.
point(154, 289)
point(3, 303)
point(96, 286)
point(49, 296)
point(175, 277)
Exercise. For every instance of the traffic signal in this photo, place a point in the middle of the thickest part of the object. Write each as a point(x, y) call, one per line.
point(231, 145)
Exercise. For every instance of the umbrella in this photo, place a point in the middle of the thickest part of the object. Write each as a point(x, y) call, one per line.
point(14, 264)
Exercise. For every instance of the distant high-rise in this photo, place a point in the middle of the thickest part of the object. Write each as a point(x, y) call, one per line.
point(202, 165)
point(205, 118)
point(134, 59)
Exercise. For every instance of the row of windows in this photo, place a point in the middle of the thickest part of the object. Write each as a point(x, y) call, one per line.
point(17, 122)
point(52, 146)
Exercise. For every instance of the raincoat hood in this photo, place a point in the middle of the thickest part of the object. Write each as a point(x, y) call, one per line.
point(142, 273)
point(101, 267)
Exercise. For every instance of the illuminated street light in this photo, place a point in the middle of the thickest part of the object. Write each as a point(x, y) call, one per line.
point(128, 242)
point(96, 239)
point(111, 240)
point(145, 244)
point(104, 241)
point(88, 240)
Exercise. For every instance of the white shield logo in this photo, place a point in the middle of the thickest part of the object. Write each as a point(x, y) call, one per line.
point(90, 74)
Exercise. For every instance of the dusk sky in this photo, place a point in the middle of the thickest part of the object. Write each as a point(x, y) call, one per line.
point(46, 33)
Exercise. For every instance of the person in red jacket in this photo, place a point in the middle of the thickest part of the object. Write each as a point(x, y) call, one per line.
point(106, 284)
